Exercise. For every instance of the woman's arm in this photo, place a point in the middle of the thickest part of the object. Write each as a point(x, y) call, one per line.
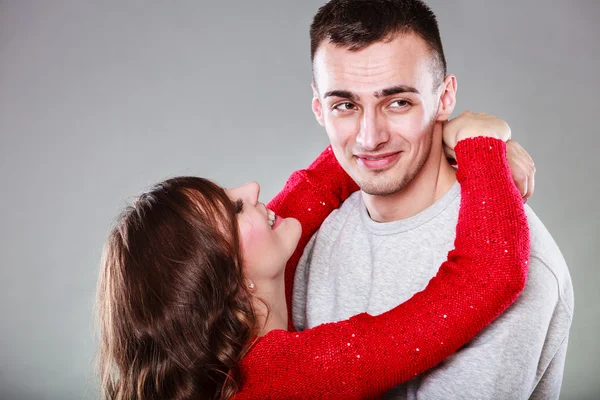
point(364, 356)
point(310, 195)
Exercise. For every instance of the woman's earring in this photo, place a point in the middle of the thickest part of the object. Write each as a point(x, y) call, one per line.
point(251, 286)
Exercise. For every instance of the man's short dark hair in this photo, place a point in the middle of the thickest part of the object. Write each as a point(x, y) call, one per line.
point(356, 24)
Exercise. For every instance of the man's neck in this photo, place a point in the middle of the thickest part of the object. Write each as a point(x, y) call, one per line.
point(434, 179)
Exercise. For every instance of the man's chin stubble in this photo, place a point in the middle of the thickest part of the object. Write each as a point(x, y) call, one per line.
point(383, 189)
point(396, 186)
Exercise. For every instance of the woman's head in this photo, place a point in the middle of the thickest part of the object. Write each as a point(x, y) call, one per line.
point(176, 315)
point(267, 240)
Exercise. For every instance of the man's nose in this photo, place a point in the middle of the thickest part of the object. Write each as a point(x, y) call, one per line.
point(373, 132)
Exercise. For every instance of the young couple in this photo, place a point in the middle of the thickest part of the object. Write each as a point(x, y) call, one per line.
point(196, 284)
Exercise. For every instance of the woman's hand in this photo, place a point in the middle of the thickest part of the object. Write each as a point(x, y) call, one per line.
point(522, 168)
point(469, 124)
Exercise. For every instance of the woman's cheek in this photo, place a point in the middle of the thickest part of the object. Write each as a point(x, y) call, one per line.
point(246, 239)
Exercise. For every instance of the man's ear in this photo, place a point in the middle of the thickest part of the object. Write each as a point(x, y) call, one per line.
point(317, 107)
point(447, 98)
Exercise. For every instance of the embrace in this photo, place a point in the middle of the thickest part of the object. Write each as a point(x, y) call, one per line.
point(402, 263)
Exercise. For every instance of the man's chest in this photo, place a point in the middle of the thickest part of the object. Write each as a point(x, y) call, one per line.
point(354, 272)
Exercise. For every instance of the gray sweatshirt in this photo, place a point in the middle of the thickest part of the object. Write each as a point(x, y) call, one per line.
point(353, 265)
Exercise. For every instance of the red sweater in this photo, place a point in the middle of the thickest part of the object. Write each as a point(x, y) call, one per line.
point(365, 356)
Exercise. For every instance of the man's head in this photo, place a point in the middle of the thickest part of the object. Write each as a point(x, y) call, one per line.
point(355, 24)
point(379, 87)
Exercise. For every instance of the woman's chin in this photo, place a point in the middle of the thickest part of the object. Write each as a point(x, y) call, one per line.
point(292, 231)
point(296, 228)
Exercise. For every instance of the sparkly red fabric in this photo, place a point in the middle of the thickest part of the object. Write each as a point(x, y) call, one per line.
point(365, 356)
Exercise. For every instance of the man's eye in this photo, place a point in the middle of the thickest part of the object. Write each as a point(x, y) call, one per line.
point(399, 103)
point(344, 106)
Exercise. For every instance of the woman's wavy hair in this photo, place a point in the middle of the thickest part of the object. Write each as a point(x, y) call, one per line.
point(174, 314)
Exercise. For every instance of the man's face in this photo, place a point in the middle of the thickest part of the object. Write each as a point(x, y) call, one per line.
point(378, 106)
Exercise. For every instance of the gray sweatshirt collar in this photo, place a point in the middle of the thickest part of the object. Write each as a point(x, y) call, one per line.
point(391, 228)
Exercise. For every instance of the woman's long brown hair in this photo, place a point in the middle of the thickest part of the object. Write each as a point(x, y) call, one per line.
point(175, 316)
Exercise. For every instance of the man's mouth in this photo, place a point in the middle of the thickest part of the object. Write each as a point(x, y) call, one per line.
point(377, 161)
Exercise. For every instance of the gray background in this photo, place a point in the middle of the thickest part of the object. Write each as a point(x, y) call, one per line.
point(98, 100)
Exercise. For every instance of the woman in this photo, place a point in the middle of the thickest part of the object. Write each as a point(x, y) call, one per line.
point(192, 289)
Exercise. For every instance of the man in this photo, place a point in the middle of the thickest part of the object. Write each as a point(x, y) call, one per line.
point(382, 93)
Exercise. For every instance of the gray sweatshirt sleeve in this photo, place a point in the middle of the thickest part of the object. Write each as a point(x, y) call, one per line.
point(519, 356)
point(549, 385)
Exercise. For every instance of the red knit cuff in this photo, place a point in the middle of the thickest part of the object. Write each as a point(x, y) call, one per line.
point(490, 158)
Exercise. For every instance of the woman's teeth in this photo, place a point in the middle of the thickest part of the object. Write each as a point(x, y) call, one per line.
point(272, 218)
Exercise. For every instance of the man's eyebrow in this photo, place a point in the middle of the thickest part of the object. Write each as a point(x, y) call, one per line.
point(345, 94)
point(395, 90)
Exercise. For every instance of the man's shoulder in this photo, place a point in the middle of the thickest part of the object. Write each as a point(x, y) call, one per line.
point(350, 209)
point(332, 227)
point(546, 255)
point(543, 246)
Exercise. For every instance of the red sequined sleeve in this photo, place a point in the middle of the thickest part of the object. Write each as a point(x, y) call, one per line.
point(310, 195)
point(365, 356)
